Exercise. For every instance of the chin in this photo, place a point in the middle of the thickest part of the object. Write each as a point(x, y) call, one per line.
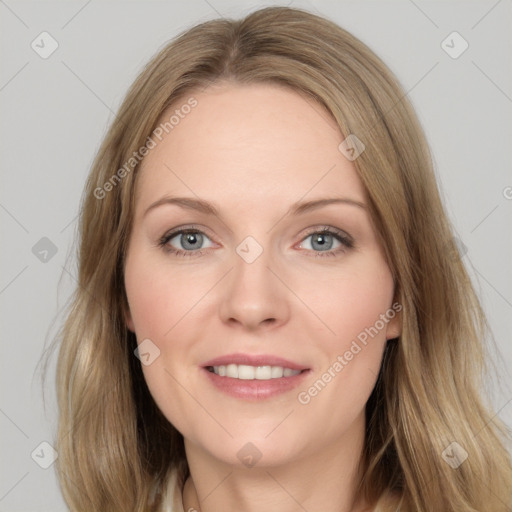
point(256, 451)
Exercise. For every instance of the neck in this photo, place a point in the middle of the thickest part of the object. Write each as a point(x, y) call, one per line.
point(323, 479)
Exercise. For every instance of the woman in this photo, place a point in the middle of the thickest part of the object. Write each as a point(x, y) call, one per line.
point(271, 313)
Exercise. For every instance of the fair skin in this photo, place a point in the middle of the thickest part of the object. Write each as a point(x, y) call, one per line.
point(253, 151)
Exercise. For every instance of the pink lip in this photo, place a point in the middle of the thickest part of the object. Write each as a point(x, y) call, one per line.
point(254, 390)
point(253, 360)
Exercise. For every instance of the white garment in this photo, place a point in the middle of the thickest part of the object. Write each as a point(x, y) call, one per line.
point(173, 500)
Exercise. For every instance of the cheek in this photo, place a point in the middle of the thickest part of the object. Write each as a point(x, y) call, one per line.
point(161, 305)
point(358, 309)
point(353, 303)
point(160, 299)
point(167, 307)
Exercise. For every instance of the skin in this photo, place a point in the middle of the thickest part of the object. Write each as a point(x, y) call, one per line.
point(253, 151)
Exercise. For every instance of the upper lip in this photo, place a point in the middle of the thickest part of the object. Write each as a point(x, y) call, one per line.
point(254, 360)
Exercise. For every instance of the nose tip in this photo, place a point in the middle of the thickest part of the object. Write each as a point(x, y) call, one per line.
point(251, 320)
point(252, 296)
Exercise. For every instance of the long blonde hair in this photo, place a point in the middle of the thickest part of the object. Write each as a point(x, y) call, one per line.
point(115, 446)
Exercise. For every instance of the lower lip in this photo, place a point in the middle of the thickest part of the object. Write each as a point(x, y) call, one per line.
point(255, 390)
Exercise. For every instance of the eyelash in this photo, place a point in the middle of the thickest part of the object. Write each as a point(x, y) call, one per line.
point(345, 240)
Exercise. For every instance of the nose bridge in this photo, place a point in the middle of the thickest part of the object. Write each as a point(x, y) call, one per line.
point(253, 295)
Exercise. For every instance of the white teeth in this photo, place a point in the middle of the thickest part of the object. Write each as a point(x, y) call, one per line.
point(263, 372)
point(276, 372)
point(246, 372)
point(231, 371)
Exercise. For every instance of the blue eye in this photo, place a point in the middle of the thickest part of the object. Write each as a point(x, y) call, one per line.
point(326, 242)
point(185, 242)
point(322, 241)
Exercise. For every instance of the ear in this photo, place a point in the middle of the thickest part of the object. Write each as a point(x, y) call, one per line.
point(394, 325)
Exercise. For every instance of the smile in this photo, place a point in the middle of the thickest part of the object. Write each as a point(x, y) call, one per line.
point(246, 372)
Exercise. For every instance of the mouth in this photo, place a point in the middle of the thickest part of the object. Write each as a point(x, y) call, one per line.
point(254, 378)
point(246, 372)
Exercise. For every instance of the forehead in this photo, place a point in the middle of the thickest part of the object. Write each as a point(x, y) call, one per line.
point(260, 144)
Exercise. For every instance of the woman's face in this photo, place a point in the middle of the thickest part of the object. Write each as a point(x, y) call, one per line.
point(263, 325)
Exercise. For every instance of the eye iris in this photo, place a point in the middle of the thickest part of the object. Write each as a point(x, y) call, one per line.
point(321, 241)
point(191, 240)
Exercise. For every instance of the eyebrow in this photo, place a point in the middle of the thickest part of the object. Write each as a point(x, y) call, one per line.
point(298, 208)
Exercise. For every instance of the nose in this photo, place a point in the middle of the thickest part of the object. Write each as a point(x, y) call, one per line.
point(253, 297)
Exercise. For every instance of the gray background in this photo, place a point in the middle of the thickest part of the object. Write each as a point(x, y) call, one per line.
point(55, 111)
